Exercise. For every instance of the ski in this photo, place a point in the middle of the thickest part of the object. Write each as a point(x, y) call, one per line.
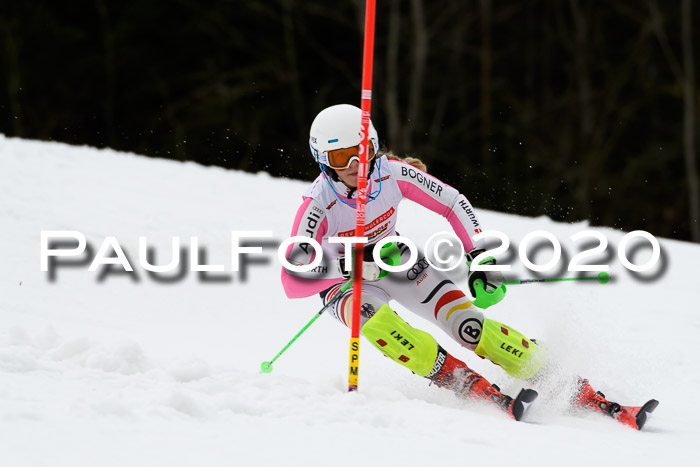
point(636, 417)
point(522, 403)
point(595, 401)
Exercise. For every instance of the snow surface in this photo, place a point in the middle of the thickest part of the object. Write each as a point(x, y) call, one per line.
point(122, 369)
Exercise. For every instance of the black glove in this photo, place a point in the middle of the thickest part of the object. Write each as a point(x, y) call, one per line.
point(370, 270)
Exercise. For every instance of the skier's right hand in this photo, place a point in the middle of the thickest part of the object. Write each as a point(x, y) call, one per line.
point(370, 270)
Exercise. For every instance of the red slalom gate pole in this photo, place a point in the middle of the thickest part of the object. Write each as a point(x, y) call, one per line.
point(367, 60)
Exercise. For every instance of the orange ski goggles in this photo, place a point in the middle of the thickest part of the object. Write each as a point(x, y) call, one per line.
point(342, 158)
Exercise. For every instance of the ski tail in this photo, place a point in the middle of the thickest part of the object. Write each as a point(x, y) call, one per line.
point(636, 417)
point(588, 398)
point(522, 403)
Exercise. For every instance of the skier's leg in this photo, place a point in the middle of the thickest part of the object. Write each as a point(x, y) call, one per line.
point(432, 295)
point(419, 352)
point(373, 298)
point(415, 349)
point(519, 356)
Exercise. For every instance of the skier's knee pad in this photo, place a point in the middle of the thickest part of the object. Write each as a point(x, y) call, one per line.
point(395, 338)
point(516, 354)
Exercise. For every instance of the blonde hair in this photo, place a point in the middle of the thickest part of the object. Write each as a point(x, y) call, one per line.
point(412, 161)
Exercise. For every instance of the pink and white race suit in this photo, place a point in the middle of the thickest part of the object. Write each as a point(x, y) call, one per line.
point(423, 290)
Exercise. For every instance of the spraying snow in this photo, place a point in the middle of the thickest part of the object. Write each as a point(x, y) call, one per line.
point(133, 368)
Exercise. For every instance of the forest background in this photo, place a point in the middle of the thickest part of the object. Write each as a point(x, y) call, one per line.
point(574, 109)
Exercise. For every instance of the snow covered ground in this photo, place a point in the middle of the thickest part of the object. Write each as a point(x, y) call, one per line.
point(128, 369)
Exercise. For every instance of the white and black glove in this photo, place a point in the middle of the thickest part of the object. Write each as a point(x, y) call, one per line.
point(486, 287)
point(370, 270)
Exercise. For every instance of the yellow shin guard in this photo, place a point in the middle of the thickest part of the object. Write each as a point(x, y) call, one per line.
point(515, 353)
point(395, 338)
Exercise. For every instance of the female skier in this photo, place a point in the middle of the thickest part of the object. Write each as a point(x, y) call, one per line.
point(328, 210)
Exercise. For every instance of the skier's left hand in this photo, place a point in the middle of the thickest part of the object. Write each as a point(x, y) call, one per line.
point(486, 287)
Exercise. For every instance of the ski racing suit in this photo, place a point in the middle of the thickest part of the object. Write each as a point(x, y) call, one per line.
point(424, 290)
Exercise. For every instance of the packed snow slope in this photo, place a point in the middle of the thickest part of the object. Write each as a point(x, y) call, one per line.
point(112, 368)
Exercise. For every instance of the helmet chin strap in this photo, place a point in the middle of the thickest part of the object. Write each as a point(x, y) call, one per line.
point(370, 197)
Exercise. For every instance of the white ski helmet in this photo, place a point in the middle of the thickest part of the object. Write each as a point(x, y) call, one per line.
point(338, 127)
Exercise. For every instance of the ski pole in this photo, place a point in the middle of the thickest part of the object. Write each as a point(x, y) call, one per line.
point(366, 105)
point(266, 367)
point(602, 277)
